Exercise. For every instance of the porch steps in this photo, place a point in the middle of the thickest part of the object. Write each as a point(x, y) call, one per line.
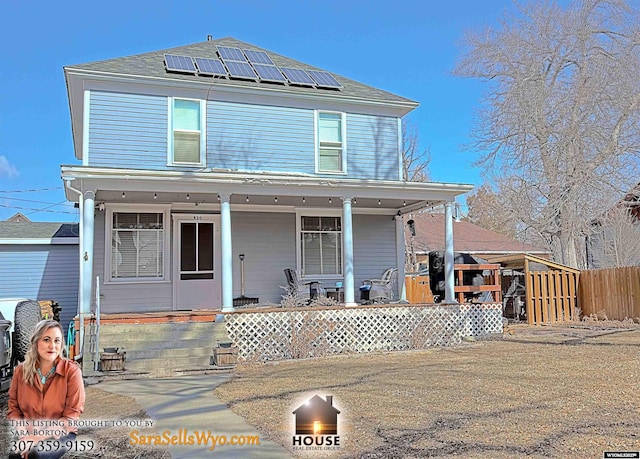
point(165, 348)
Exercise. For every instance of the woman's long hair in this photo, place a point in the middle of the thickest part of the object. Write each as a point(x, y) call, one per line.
point(29, 368)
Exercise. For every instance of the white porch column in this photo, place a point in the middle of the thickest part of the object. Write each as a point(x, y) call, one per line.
point(347, 247)
point(227, 260)
point(449, 282)
point(400, 259)
point(86, 257)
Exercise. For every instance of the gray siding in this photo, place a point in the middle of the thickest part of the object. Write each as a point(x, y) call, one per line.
point(41, 272)
point(258, 137)
point(128, 131)
point(372, 147)
point(374, 247)
point(123, 297)
point(268, 241)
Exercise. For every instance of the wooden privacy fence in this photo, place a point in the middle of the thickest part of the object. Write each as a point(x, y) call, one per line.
point(615, 291)
point(551, 296)
point(418, 290)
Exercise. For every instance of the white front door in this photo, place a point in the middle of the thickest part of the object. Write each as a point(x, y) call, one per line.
point(196, 273)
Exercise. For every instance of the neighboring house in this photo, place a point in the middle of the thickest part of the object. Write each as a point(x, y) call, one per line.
point(39, 260)
point(615, 237)
point(467, 238)
point(18, 218)
point(195, 155)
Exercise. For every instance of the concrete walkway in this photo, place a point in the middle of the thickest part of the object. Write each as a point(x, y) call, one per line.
point(187, 402)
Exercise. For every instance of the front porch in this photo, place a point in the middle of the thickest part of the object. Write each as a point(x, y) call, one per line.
point(184, 341)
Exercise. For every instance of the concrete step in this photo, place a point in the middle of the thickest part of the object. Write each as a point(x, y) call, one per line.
point(170, 364)
point(165, 347)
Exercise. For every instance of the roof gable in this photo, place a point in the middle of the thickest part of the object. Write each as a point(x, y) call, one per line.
point(152, 65)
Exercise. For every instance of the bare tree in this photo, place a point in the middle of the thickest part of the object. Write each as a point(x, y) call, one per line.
point(415, 160)
point(559, 126)
point(615, 240)
point(487, 210)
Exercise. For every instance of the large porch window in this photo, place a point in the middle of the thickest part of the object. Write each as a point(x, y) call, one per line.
point(137, 246)
point(321, 245)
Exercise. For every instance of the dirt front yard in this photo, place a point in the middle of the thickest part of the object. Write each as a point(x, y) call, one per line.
point(536, 392)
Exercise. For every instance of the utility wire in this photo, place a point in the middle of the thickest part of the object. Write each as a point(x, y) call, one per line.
point(38, 210)
point(32, 191)
point(25, 200)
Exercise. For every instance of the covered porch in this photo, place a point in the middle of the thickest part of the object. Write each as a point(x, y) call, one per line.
point(255, 208)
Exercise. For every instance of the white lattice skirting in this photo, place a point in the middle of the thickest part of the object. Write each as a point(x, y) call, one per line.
point(291, 334)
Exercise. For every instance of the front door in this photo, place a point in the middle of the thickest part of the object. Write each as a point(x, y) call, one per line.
point(196, 275)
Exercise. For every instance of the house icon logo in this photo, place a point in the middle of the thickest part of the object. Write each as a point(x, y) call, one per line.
point(317, 424)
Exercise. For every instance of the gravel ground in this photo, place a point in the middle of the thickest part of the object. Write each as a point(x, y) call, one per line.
point(567, 391)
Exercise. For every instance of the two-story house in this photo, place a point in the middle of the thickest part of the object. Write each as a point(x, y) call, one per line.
point(192, 156)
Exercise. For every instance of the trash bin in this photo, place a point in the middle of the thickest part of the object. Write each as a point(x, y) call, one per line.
point(365, 290)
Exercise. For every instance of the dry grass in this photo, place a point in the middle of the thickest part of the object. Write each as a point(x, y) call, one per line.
point(565, 393)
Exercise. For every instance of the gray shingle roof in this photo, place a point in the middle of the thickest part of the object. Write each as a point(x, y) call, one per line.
point(152, 65)
point(37, 230)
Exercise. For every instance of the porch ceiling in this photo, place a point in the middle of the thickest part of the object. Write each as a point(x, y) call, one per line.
point(203, 188)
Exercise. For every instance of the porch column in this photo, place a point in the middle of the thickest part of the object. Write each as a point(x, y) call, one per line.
point(400, 259)
point(347, 247)
point(227, 261)
point(449, 293)
point(86, 257)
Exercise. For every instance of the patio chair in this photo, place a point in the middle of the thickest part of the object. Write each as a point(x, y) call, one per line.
point(381, 290)
point(306, 290)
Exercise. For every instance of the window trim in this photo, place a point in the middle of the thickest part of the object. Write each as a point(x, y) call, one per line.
point(110, 209)
point(203, 133)
point(316, 131)
point(317, 213)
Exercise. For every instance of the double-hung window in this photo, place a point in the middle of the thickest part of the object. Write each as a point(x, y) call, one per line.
point(330, 142)
point(187, 139)
point(321, 245)
point(138, 242)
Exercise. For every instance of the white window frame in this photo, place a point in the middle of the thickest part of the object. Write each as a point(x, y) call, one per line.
point(165, 210)
point(317, 213)
point(203, 133)
point(316, 131)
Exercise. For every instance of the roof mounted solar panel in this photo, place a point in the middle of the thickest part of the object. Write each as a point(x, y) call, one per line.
point(324, 79)
point(240, 70)
point(231, 54)
point(210, 66)
point(258, 57)
point(297, 76)
point(269, 73)
point(180, 64)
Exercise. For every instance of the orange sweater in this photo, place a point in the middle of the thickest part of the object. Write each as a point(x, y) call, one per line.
point(61, 398)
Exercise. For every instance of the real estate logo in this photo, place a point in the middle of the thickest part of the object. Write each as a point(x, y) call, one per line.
point(317, 425)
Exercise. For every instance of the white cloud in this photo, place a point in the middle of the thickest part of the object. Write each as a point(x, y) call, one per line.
point(6, 169)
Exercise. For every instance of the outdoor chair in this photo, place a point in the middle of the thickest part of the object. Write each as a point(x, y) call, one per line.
point(306, 290)
point(381, 290)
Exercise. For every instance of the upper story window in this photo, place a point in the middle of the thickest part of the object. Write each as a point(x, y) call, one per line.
point(187, 143)
point(331, 148)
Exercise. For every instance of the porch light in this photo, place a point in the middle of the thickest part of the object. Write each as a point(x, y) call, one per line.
point(404, 203)
point(155, 195)
point(379, 202)
point(123, 195)
point(247, 199)
point(303, 200)
point(275, 199)
point(188, 196)
point(355, 200)
point(329, 200)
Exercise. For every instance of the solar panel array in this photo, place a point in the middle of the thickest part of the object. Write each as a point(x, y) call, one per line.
point(248, 64)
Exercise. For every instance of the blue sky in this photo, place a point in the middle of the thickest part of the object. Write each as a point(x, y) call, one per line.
point(408, 47)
